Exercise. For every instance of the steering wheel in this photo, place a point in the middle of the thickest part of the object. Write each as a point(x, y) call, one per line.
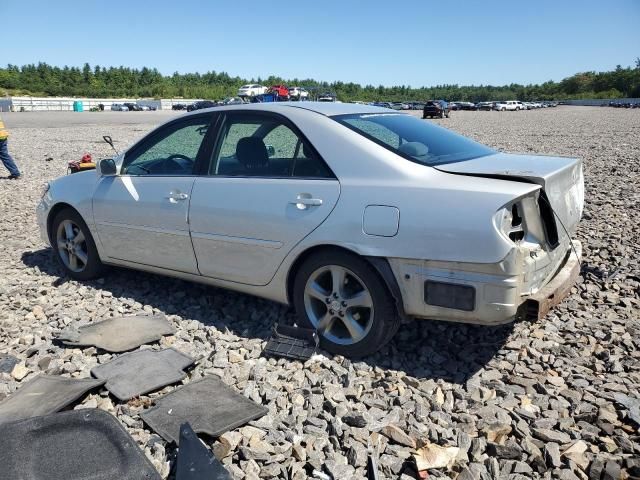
point(174, 160)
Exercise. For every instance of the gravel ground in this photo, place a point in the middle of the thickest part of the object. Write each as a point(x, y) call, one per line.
point(552, 399)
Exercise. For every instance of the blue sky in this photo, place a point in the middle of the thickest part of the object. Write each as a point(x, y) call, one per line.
point(413, 42)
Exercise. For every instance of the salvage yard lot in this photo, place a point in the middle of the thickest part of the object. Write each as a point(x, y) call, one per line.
point(526, 385)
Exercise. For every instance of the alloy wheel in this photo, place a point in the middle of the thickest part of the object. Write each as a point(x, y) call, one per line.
point(72, 246)
point(338, 304)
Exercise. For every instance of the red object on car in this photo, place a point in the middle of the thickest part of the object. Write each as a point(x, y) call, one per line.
point(280, 90)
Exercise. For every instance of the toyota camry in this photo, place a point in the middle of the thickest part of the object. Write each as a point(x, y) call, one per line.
point(357, 216)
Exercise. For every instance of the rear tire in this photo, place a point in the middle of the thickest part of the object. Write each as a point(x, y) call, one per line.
point(74, 246)
point(343, 297)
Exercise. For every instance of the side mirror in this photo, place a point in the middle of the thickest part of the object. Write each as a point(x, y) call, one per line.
point(271, 151)
point(108, 167)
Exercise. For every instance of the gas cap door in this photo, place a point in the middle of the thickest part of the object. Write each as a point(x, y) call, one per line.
point(381, 220)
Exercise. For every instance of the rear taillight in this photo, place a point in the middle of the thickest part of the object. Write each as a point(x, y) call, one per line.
point(510, 222)
point(516, 232)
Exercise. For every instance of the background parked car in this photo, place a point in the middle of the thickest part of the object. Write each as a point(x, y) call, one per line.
point(252, 90)
point(382, 104)
point(467, 106)
point(328, 97)
point(280, 90)
point(201, 104)
point(119, 107)
point(436, 108)
point(133, 107)
point(179, 106)
point(298, 93)
point(486, 106)
point(232, 101)
point(509, 105)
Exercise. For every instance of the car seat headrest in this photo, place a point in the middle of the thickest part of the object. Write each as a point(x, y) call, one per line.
point(414, 149)
point(251, 152)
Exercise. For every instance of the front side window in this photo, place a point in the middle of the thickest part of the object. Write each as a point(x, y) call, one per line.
point(414, 139)
point(264, 146)
point(172, 151)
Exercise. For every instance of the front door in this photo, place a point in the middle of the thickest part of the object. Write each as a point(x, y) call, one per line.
point(141, 214)
point(266, 189)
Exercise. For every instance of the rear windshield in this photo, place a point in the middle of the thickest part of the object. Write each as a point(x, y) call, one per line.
point(414, 139)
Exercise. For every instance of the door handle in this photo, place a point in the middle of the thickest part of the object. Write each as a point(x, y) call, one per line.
point(304, 201)
point(174, 197)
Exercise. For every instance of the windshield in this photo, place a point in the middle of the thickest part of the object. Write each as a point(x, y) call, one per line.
point(414, 139)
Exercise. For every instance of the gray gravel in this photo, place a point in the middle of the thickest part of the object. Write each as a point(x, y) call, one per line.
point(552, 399)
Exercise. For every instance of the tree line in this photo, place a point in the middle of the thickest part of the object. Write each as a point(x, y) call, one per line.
point(46, 80)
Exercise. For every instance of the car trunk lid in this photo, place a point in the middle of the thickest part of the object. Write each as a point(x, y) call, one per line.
point(561, 179)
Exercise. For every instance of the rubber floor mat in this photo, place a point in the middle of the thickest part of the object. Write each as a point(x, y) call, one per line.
point(87, 444)
point(7, 362)
point(133, 374)
point(208, 405)
point(119, 334)
point(195, 461)
point(43, 395)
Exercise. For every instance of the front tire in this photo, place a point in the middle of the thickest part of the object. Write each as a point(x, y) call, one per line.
point(74, 246)
point(342, 297)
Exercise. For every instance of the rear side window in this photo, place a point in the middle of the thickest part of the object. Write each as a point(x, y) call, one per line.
point(265, 146)
point(414, 139)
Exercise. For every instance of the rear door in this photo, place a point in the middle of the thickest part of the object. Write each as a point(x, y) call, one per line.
point(266, 189)
point(141, 214)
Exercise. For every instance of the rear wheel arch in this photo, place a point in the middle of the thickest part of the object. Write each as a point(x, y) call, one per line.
point(381, 317)
point(302, 257)
point(380, 264)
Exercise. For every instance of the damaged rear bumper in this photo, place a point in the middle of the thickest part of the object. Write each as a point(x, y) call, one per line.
point(518, 287)
point(536, 306)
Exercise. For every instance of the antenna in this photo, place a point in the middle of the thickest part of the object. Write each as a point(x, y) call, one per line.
point(109, 140)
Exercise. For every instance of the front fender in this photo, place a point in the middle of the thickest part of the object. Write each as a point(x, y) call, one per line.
point(75, 190)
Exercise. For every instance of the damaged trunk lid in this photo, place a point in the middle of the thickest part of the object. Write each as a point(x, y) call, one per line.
point(561, 180)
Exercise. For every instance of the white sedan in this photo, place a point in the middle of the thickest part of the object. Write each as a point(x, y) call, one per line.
point(357, 216)
point(252, 90)
point(298, 93)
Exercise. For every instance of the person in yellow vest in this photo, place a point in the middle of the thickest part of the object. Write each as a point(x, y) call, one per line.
point(7, 161)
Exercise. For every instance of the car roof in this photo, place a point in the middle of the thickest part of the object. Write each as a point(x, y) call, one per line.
point(323, 108)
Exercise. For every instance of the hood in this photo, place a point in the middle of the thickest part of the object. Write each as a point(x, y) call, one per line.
point(561, 179)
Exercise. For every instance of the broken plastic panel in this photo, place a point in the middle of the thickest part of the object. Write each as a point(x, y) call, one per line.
point(195, 461)
point(7, 362)
point(292, 342)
